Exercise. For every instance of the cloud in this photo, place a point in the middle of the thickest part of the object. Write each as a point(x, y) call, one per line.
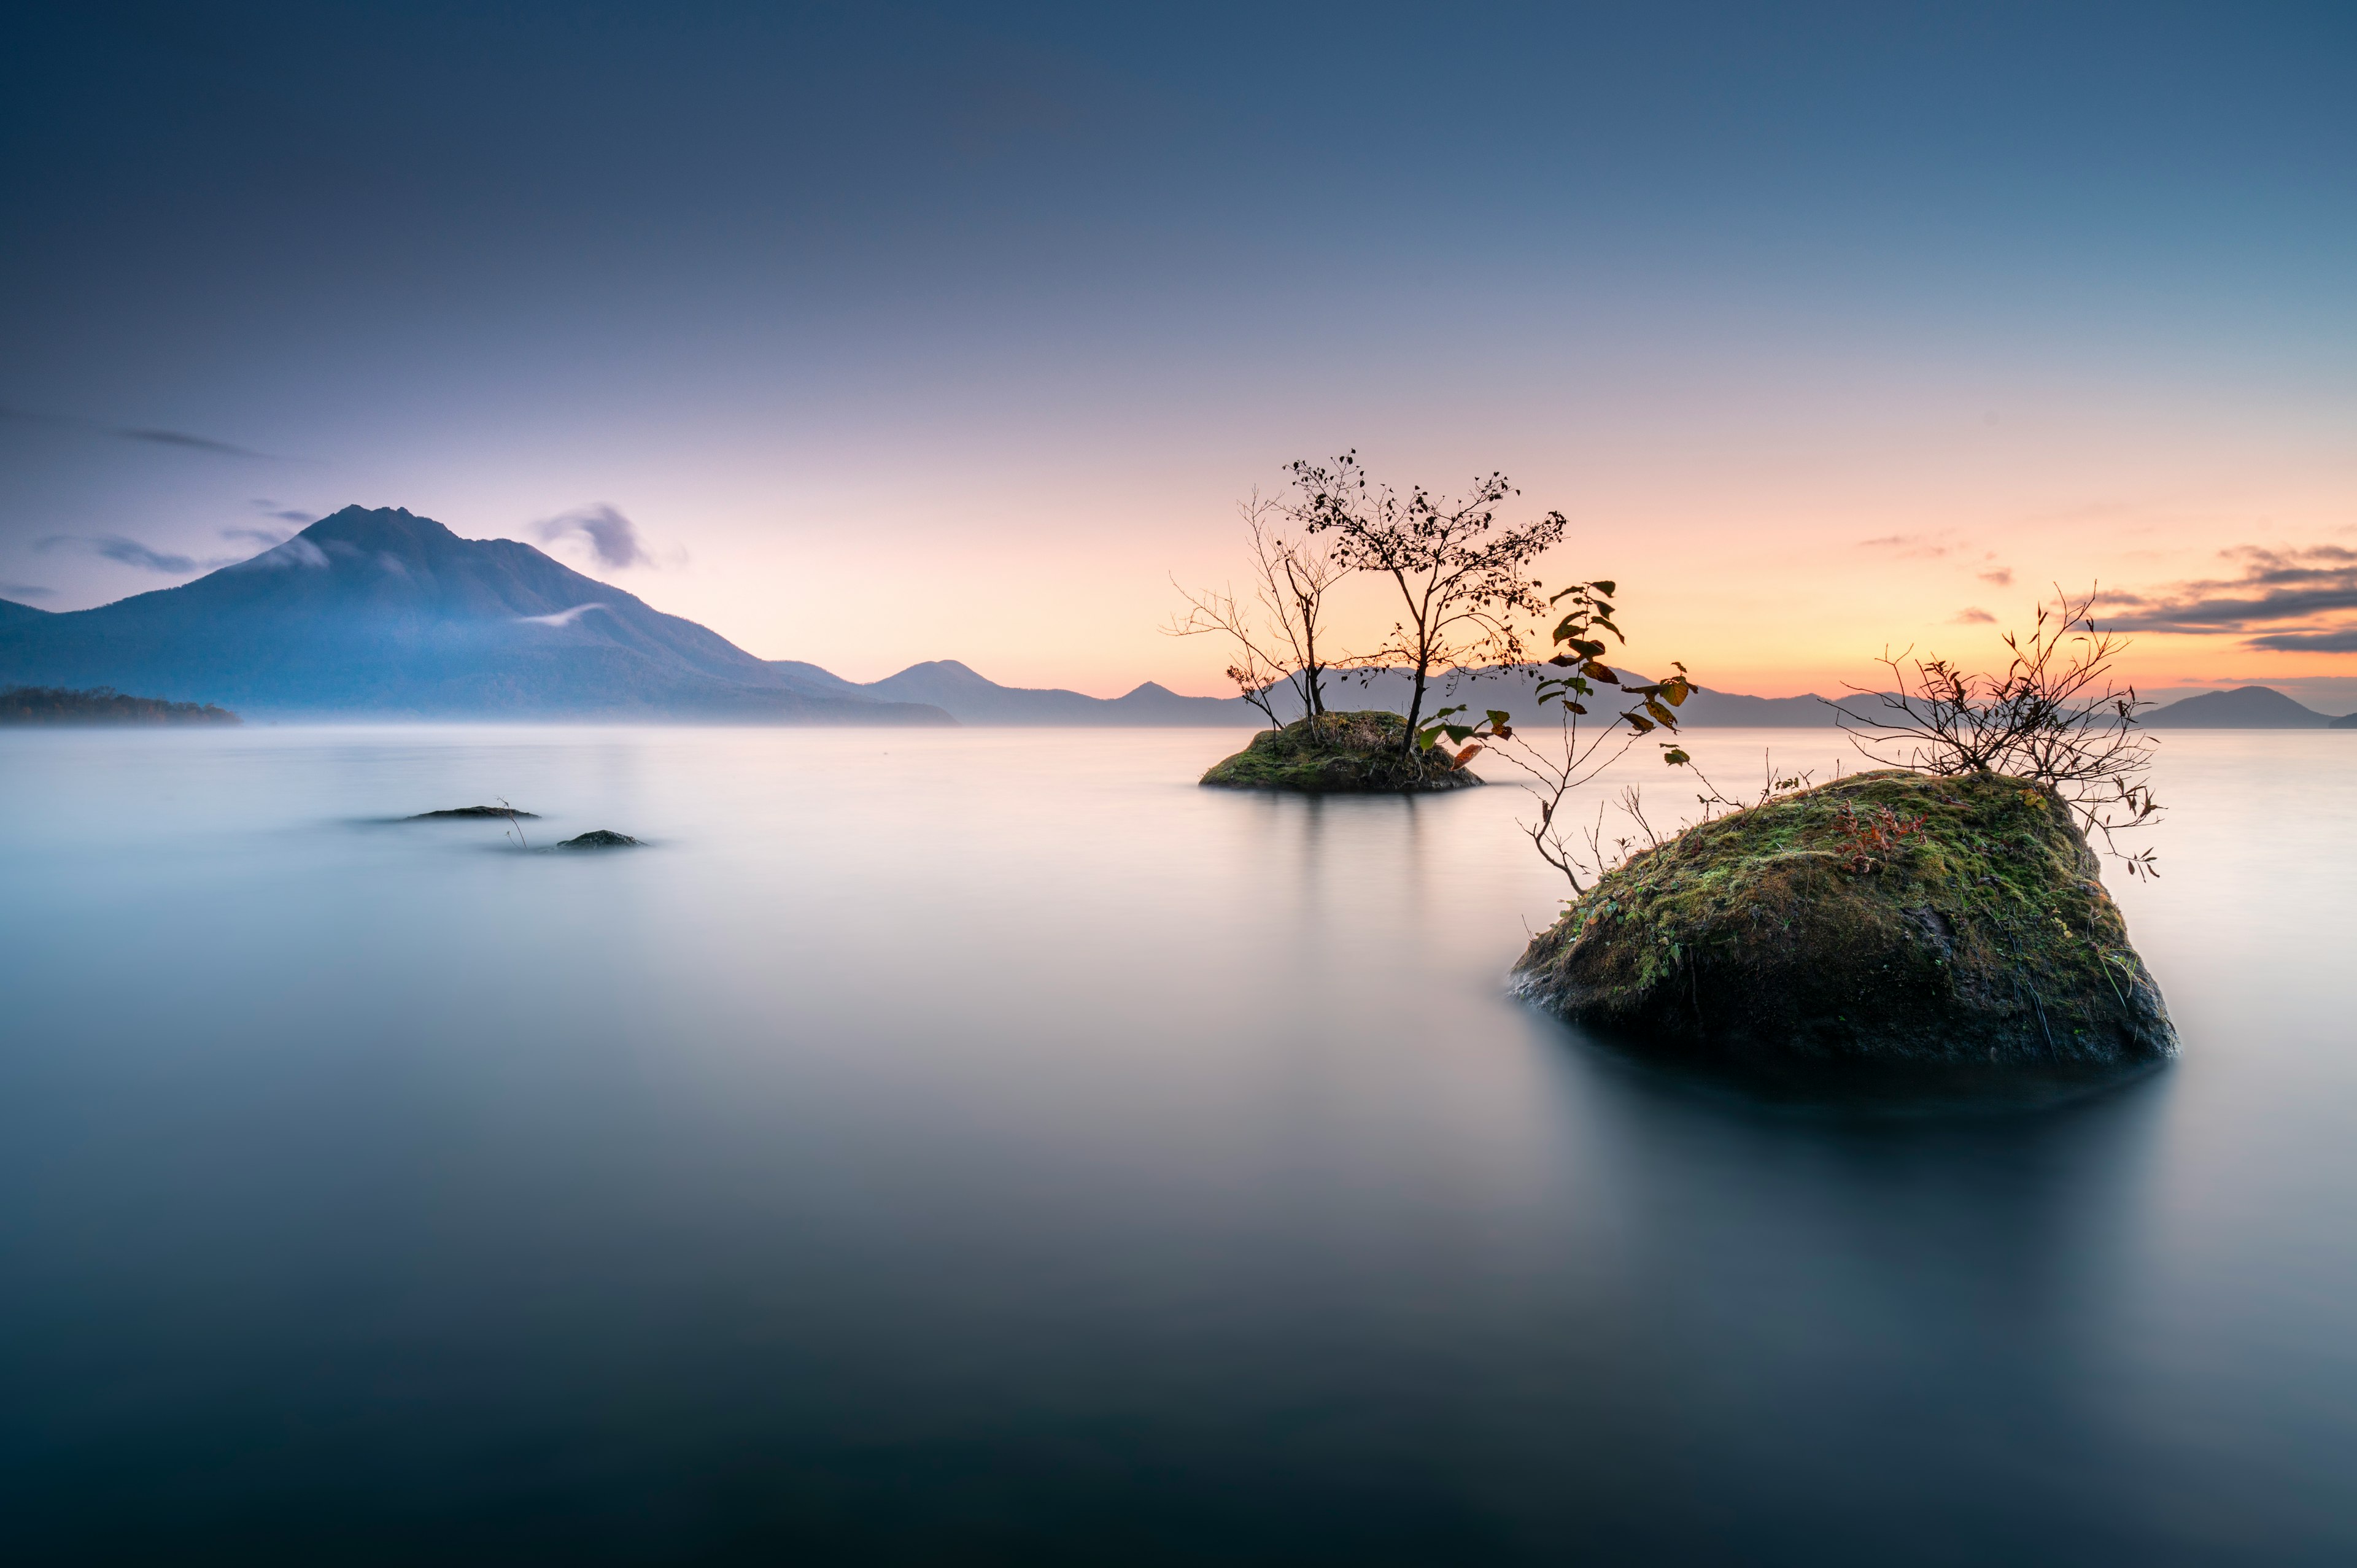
point(284, 514)
point(2002, 577)
point(25, 591)
point(2342, 641)
point(2316, 585)
point(268, 538)
point(564, 618)
point(1974, 617)
point(612, 537)
point(148, 434)
point(291, 554)
point(1909, 546)
point(131, 552)
point(182, 438)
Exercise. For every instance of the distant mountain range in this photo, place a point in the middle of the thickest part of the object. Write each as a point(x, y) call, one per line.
point(387, 614)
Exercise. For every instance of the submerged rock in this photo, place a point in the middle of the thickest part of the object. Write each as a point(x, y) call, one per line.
point(500, 811)
point(1356, 753)
point(1889, 916)
point(598, 838)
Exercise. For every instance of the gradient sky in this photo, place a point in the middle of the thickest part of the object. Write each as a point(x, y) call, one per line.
point(914, 332)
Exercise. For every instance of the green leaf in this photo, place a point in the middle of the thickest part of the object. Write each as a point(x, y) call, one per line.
point(1674, 757)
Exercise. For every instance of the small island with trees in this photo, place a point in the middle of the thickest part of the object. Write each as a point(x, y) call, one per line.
point(101, 705)
point(1462, 590)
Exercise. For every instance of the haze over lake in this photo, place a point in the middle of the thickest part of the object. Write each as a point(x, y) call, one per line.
point(959, 1144)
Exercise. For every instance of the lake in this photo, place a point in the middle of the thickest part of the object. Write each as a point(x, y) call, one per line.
point(985, 1145)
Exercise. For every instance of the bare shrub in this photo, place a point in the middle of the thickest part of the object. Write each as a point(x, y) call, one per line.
point(2055, 716)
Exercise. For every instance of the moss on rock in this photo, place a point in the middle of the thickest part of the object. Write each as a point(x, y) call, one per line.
point(1357, 753)
point(1889, 916)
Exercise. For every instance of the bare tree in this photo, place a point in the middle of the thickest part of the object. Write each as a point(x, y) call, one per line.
point(1462, 582)
point(2055, 717)
point(1279, 632)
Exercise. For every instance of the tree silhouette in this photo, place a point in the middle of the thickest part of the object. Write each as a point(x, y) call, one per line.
point(1461, 577)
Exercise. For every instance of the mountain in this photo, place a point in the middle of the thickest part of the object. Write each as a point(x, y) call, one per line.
point(384, 612)
point(2246, 708)
point(974, 699)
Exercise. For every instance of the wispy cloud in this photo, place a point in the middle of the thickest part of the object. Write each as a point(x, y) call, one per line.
point(25, 591)
point(1909, 546)
point(296, 515)
point(563, 617)
point(266, 537)
point(147, 434)
point(1999, 577)
point(131, 552)
point(1974, 615)
point(288, 555)
point(195, 443)
point(612, 537)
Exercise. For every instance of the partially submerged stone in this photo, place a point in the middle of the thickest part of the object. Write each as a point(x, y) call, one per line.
point(1354, 753)
point(598, 838)
point(502, 812)
point(1889, 916)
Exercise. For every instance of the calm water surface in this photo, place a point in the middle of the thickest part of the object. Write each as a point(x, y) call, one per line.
point(985, 1145)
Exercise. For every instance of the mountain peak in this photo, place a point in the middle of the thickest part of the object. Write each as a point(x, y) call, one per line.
point(951, 668)
point(377, 527)
point(2244, 707)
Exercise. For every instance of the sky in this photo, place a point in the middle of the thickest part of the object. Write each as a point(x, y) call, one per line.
point(872, 334)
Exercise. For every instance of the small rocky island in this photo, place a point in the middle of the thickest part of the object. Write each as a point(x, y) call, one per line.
point(474, 813)
point(600, 838)
point(1889, 917)
point(1363, 753)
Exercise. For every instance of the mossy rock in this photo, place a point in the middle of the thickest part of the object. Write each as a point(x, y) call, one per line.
point(1356, 753)
point(1778, 935)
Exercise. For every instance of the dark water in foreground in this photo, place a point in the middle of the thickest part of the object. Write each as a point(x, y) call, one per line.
point(985, 1146)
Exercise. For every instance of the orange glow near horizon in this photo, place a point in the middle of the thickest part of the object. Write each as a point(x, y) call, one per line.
point(1773, 573)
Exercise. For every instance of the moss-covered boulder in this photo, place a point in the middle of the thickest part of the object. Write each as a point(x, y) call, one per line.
point(1356, 753)
point(1889, 916)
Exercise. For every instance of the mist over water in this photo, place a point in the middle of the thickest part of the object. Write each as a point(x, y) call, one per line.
point(984, 1145)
